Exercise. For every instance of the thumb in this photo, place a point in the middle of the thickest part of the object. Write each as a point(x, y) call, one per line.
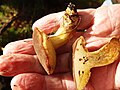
point(87, 18)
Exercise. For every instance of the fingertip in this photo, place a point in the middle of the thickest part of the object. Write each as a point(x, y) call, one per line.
point(21, 46)
point(28, 81)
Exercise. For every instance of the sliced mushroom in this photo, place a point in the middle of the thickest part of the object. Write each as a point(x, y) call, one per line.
point(44, 50)
point(45, 45)
point(83, 60)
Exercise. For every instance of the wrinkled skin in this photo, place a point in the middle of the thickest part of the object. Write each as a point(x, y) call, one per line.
point(100, 24)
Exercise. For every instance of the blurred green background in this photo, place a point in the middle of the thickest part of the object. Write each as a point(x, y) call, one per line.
point(17, 17)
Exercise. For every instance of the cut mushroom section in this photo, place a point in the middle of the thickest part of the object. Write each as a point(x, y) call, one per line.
point(83, 60)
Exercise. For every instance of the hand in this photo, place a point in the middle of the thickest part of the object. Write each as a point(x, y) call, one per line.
point(19, 59)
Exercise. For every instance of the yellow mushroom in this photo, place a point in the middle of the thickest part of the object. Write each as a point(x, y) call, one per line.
point(45, 45)
point(83, 60)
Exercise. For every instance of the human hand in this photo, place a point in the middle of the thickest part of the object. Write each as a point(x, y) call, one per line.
point(32, 76)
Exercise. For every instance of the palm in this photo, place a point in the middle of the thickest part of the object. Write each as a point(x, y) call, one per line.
point(101, 24)
point(105, 25)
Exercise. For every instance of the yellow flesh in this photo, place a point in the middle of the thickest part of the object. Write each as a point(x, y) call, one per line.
point(45, 45)
point(45, 51)
point(83, 60)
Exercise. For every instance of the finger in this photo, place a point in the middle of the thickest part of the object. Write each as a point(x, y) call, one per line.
point(102, 78)
point(13, 64)
point(22, 47)
point(49, 23)
point(30, 81)
point(94, 43)
point(26, 46)
point(106, 22)
point(117, 76)
point(87, 17)
point(102, 24)
point(63, 63)
point(104, 27)
point(52, 22)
